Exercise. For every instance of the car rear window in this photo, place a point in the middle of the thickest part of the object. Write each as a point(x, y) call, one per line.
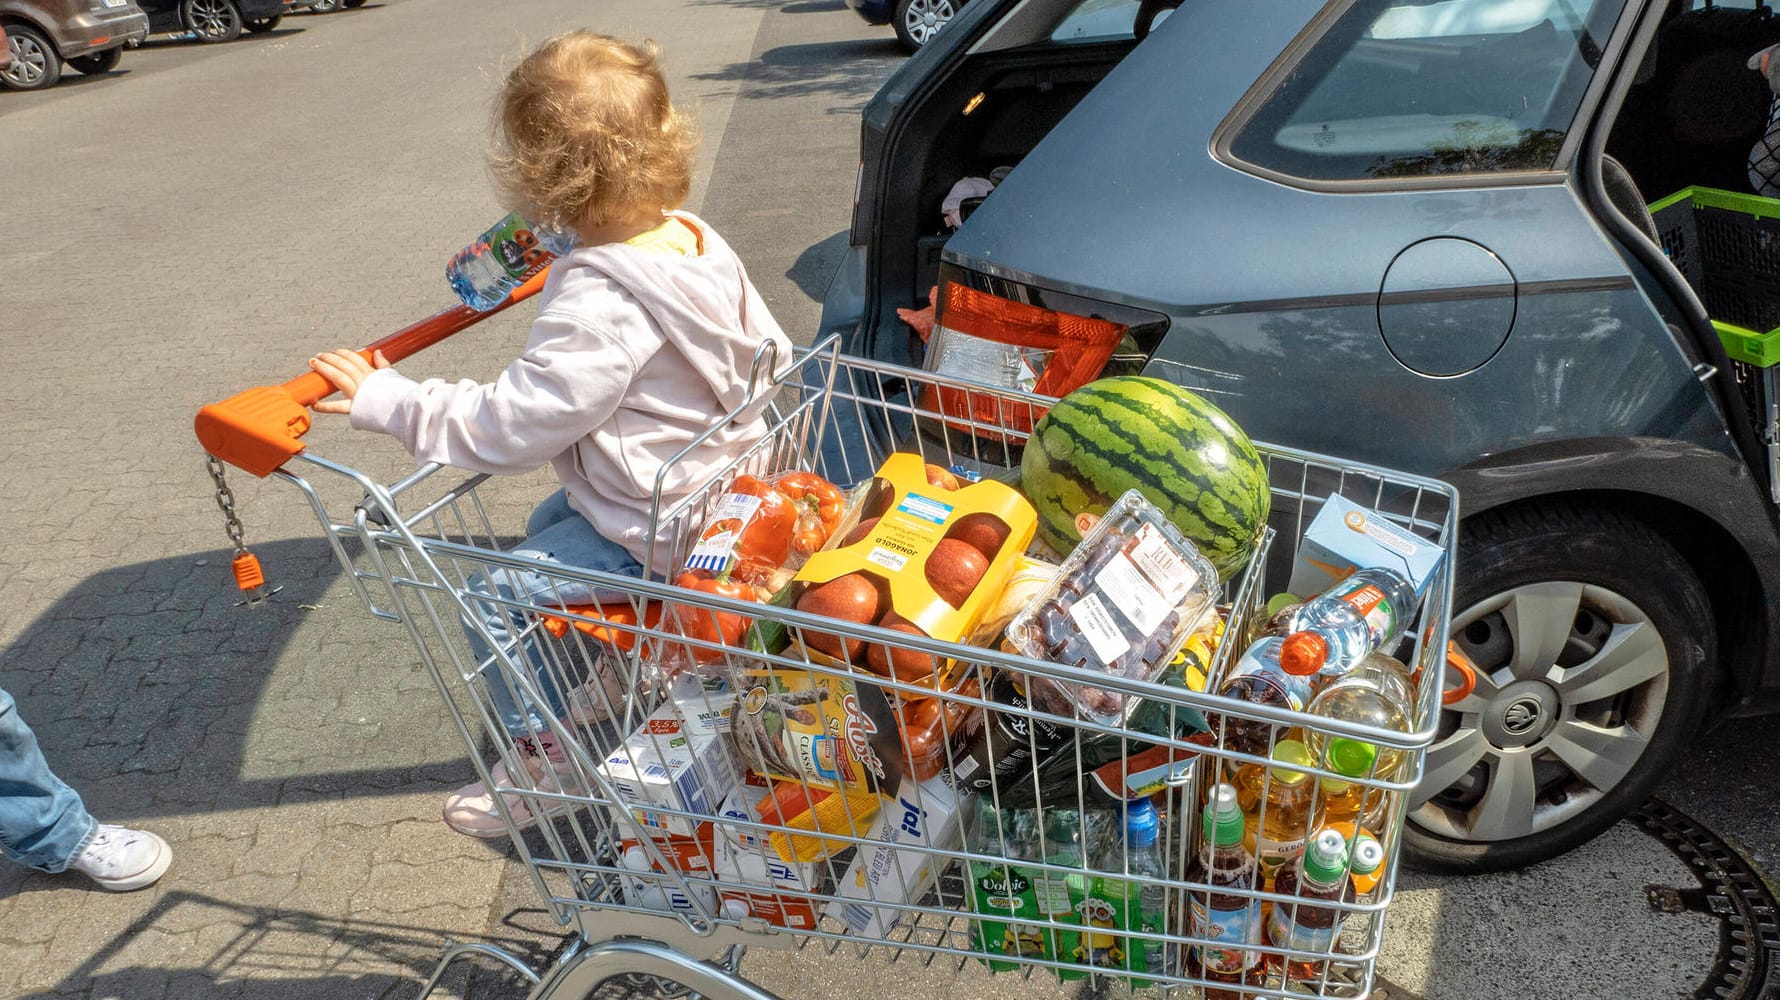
point(1409, 88)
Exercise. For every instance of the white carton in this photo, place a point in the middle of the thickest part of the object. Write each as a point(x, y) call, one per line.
point(920, 818)
point(705, 707)
point(780, 893)
point(669, 764)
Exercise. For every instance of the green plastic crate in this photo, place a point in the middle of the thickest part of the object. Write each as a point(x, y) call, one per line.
point(1728, 246)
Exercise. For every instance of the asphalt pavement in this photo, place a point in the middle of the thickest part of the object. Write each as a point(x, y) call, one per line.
point(207, 217)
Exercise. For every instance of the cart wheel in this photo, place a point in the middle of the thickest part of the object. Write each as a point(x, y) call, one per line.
point(1591, 635)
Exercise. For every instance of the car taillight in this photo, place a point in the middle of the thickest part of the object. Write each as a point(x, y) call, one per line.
point(1011, 346)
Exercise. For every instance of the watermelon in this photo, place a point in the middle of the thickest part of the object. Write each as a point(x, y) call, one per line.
point(1182, 453)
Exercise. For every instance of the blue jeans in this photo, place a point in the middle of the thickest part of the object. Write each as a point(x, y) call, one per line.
point(43, 824)
point(556, 535)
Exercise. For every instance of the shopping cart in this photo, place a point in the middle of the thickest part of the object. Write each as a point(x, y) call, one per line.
point(670, 894)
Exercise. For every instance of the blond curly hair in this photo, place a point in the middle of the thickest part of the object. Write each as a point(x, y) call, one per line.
point(586, 135)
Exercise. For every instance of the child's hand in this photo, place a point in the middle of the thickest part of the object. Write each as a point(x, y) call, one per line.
point(347, 371)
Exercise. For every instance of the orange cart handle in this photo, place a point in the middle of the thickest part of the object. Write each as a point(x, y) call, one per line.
point(258, 430)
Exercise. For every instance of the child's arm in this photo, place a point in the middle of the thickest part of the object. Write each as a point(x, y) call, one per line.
point(569, 380)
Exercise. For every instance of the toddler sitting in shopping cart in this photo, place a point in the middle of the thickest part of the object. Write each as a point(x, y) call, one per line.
point(646, 337)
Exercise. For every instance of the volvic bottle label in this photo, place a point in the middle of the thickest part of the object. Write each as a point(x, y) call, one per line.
point(1372, 606)
point(1233, 930)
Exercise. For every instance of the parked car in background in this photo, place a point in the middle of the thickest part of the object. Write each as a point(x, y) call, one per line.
point(43, 36)
point(915, 21)
point(329, 6)
point(1412, 233)
point(215, 20)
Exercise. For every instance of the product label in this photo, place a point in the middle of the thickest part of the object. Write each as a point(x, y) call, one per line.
point(1232, 929)
point(1285, 932)
point(1053, 894)
point(1272, 855)
point(925, 508)
point(716, 543)
point(892, 561)
point(1124, 585)
point(1370, 604)
point(1384, 533)
point(1097, 625)
point(517, 249)
point(1166, 570)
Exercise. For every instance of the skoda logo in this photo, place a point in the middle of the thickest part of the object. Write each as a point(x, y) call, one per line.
point(1521, 716)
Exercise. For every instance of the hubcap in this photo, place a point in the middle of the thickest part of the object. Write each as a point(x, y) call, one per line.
point(29, 61)
point(210, 17)
point(924, 18)
point(1571, 683)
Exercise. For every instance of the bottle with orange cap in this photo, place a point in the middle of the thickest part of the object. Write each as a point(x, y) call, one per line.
point(1367, 610)
point(1274, 670)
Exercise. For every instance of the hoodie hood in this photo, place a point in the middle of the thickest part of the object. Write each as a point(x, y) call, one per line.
point(704, 307)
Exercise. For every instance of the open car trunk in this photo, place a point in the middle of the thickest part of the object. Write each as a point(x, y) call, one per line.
point(988, 113)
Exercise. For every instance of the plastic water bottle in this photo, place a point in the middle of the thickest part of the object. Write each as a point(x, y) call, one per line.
point(1369, 610)
point(1274, 671)
point(500, 260)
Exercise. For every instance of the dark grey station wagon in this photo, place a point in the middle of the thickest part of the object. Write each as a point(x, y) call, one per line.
point(1410, 232)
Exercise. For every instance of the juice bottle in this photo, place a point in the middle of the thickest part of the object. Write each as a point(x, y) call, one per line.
point(1281, 808)
point(1368, 698)
point(1365, 864)
point(1365, 858)
point(1231, 920)
point(1274, 670)
point(1319, 873)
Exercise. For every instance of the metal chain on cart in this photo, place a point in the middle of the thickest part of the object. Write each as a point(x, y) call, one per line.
point(248, 575)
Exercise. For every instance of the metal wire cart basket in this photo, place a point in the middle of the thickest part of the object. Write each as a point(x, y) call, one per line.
point(767, 797)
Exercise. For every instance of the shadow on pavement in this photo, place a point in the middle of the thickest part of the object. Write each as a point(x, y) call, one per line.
point(272, 954)
point(851, 71)
point(153, 695)
point(815, 267)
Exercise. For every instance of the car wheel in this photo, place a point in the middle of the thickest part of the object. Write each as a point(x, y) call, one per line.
point(1591, 636)
point(325, 6)
point(98, 62)
point(917, 21)
point(211, 20)
point(34, 65)
point(261, 25)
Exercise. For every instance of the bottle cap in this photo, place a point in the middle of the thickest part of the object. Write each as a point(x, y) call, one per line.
point(1141, 823)
point(1291, 752)
point(1353, 758)
point(635, 860)
point(1223, 817)
point(1325, 858)
point(1368, 854)
point(1303, 653)
point(1280, 602)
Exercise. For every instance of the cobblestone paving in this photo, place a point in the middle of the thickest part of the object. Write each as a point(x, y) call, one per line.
point(204, 219)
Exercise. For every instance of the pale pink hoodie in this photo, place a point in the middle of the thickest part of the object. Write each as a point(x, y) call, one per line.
point(634, 353)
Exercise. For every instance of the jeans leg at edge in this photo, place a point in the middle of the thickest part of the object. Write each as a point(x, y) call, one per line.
point(43, 823)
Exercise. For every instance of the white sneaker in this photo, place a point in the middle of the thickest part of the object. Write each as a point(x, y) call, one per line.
point(121, 859)
point(471, 809)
